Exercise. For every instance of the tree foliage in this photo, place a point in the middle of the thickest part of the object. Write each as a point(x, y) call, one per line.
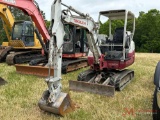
point(147, 34)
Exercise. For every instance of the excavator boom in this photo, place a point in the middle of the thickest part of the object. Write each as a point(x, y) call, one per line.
point(8, 21)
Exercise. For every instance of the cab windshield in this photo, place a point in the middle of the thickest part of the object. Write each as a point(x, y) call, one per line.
point(17, 31)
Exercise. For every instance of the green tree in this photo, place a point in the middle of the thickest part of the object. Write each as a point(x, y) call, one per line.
point(147, 34)
point(104, 28)
point(47, 23)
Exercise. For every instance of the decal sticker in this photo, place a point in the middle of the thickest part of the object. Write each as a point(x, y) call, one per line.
point(79, 22)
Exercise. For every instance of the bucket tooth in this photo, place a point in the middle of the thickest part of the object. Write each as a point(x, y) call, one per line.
point(61, 106)
point(92, 88)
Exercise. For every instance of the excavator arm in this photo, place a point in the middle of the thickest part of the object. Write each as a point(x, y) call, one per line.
point(30, 7)
point(7, 19)
point(53, 96)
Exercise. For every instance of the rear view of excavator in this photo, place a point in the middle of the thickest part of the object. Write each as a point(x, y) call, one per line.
point(107, 64)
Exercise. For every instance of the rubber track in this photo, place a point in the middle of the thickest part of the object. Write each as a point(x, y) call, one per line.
point(3, 52)
point(22, 57)
point(71, 65)
point(123, 79)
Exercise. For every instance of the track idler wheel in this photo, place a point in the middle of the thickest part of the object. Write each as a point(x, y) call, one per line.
point(61, 106)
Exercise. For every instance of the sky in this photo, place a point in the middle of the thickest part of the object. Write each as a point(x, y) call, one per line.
point(92, 7)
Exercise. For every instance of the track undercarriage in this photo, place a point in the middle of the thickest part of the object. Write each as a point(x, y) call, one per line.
point(17, 56)
point(104, 83)
point(4, 50)
point(22, 57)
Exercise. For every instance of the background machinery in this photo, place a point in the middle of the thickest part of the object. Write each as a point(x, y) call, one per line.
point(22, 45)
point(74, 53)
point(71, 55)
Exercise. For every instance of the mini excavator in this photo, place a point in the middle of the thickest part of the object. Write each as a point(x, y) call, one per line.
point(108, 57)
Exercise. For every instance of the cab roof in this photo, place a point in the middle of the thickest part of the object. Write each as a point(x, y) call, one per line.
point(117, 14)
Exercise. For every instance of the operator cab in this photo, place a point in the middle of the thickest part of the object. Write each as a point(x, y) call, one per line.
point(119, 44)
point(24, 31)
point(74, 41)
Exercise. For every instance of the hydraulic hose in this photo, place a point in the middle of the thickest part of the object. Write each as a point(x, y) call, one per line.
point(41, 41)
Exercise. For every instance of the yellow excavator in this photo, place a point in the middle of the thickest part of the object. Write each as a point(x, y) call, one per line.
point(8, 21)
point(23, 44)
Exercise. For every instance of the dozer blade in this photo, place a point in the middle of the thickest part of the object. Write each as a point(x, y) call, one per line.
point(61, 106)
point(33, 70)
point(2, 81)
point(92, 88)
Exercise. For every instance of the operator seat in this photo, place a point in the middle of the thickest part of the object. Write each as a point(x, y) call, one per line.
point(118, 38)
point(118, 35)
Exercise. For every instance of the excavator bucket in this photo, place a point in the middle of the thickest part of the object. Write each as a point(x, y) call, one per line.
point(2, 81)
point(33, 70)
point(61, 106)
point(92, 88)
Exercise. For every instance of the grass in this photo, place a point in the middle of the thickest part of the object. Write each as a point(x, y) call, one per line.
point(18, 98)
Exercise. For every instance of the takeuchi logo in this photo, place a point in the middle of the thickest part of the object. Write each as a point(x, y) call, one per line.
point(79, 22)
point(10, 1)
